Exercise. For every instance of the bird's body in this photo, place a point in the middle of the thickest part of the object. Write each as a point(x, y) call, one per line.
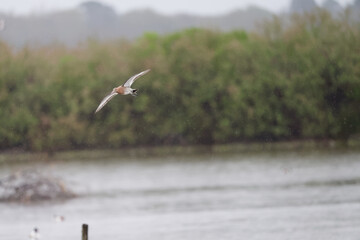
point(124, 89)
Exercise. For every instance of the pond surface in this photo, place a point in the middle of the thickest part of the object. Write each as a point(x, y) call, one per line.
point(208, 196)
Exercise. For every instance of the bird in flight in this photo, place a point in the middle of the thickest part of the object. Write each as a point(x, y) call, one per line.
point(124, 89)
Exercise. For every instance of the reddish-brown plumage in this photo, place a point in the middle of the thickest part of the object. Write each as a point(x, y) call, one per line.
point(120, 90)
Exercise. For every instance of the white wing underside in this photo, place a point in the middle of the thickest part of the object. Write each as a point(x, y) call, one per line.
point(106, 100)
point(131, 80)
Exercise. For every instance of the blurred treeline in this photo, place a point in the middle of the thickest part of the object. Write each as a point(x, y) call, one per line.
point(293, 80)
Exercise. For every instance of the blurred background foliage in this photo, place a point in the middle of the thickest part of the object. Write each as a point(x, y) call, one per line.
point(288, 80)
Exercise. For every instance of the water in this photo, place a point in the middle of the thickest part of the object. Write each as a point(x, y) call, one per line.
point(292, 195)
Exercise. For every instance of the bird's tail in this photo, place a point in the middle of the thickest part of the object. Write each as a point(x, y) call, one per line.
point(134, 92)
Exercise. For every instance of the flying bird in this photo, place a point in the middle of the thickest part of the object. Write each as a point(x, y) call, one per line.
point(124, 89)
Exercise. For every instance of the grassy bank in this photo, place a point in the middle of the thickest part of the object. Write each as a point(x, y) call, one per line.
point(169, 152)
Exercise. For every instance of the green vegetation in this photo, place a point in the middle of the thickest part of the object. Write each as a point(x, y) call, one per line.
point(289, 82)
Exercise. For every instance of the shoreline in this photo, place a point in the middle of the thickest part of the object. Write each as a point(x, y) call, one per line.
point(20, 155)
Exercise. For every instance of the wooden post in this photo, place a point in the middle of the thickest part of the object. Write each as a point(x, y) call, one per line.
point(85, 229)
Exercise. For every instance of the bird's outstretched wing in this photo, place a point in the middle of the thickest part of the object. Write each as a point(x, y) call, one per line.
point(131, 80)
point(106, 100)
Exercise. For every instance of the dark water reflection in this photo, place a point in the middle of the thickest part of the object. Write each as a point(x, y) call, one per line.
point(270, 195)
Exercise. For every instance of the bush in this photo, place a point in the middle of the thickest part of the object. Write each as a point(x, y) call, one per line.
point(205, 87)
